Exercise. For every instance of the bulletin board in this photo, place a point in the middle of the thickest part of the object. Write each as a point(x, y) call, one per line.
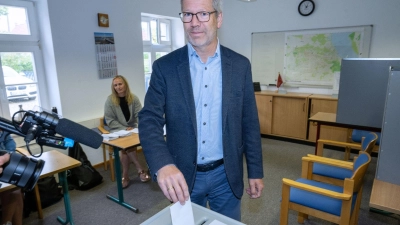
point(306, 57)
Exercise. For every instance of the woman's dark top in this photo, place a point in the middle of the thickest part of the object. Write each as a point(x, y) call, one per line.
point(124, 107)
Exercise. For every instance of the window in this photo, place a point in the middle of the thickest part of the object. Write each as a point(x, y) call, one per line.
point(20, 58)
point(156, 36)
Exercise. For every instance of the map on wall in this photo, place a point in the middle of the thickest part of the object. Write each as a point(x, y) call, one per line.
point(307, 58)
point(314, 58)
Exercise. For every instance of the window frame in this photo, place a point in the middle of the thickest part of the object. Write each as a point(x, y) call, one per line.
point(23, 43)
point(32, 22)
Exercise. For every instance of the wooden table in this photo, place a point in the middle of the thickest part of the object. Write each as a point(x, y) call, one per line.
point(55, 162)
point(385, 196)
point(119, 144)
point(329, 119)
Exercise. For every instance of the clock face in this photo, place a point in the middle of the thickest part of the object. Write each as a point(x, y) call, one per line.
point(306, 7)
point(103, 20)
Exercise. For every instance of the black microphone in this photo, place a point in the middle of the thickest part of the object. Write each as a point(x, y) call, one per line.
point(79, 133)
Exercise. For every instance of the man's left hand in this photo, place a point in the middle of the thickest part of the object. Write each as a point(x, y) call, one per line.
point(255, 189)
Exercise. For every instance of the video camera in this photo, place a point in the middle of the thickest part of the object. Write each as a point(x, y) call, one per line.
point(23, 171)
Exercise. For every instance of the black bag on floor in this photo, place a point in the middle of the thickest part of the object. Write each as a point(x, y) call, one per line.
point(85, 176)
point(50, 193)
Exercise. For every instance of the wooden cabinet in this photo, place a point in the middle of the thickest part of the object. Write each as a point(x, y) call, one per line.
point(289, 115)
point(324, 103)
point(283, 114)
point(264, 106)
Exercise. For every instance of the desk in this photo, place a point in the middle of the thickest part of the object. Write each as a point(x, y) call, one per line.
point(385, 196)
point(329, 119)
point(119, 144)
point(55, 162)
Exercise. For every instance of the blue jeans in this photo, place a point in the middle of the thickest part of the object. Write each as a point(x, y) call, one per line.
point(213, 187)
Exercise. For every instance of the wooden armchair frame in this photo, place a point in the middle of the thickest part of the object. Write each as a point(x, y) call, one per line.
point(348, 146)
point(110, 150)
point(350, 186)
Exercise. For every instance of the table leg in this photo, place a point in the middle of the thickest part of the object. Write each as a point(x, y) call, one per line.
point(117, 169)
point(64, 183)
point(317, 137)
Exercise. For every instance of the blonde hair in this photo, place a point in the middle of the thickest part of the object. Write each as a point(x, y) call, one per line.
point(128, 93)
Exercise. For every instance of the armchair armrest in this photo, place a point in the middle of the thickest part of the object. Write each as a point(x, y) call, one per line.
point(340, 144)
point(317, 190)
point(328, 161)
point(102, 130)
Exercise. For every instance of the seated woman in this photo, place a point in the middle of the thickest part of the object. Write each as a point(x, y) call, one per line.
point(121, 113)
point(11, 201)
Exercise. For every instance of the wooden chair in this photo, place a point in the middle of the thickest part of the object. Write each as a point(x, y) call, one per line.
point(103, 130)
point(337, 204)
point(355, 136)
point(367, 144)
point(336, 175)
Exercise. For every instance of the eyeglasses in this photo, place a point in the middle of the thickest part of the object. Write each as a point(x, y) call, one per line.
point(187, 17)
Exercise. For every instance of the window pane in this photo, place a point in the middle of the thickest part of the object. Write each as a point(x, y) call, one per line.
point(159, 54)
point(147, 62)
point(154, 33)
point(145, 31)
point(13, 20)
point(20, 80)
point(164, 32)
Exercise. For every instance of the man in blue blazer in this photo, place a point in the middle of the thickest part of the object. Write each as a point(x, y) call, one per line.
point(203, 93)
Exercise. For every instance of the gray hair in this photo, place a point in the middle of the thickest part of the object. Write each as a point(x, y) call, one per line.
point(217, 5)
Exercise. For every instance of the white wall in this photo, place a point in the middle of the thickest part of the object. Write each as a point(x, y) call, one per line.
point(73, 22)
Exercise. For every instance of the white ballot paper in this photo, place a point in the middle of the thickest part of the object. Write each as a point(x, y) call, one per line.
point(182, 214)
point(216, 222)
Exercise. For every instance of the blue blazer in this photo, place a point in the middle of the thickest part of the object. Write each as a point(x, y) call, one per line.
point(169, 100)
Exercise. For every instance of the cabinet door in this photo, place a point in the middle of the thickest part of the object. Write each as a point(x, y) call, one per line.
point(327, 132)
point(289, 117)
point(264, 107)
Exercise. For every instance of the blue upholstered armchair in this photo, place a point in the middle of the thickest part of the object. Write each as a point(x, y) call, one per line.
point(339, 204)
point(335, 175)
point(357, 142)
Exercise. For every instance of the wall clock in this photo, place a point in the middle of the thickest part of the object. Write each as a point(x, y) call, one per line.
point(306, 7)
point(103, 20)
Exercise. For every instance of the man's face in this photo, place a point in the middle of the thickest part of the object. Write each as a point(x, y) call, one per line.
point(201, 34)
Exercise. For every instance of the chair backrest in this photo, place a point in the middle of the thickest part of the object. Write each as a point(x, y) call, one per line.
point(359, 170)
point(103, 126)
point(368, 142)
point(357, 135)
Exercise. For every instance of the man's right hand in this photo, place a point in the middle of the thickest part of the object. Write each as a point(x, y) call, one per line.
point(3, 159)
point(173, 184)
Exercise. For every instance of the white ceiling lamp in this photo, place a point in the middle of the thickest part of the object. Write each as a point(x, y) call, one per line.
point(247, 0)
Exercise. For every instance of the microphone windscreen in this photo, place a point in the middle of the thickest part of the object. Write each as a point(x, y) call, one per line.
point(79, 133)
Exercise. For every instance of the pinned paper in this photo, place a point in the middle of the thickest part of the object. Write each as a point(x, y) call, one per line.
point(182, 214)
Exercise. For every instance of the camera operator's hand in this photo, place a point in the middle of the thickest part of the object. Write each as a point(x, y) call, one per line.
point(3, 159)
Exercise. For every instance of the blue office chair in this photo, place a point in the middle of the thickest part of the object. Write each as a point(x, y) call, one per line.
point(335, 175)
point(355, 143)
point(339, 204)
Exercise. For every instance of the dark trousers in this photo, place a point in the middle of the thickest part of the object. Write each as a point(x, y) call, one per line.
point(213, 187)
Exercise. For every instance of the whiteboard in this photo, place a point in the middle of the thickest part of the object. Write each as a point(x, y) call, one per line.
point(306, 57)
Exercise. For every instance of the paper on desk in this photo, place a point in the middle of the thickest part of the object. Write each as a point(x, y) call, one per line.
point(182, 214)
point(123, 133)
point(109, 137)
point(135, 130)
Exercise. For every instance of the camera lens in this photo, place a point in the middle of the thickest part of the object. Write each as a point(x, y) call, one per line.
point(22, 171)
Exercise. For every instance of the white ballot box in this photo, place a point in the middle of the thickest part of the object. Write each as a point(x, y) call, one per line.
point(202, 216)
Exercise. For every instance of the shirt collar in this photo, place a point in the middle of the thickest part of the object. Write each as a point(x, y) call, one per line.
point(192, 51)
